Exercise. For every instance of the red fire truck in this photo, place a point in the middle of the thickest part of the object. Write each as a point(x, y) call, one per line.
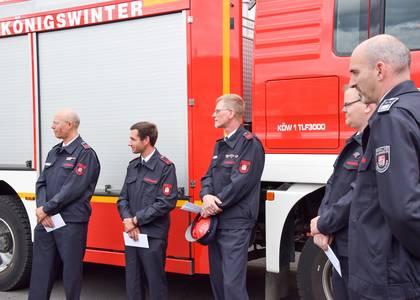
point(166, 61)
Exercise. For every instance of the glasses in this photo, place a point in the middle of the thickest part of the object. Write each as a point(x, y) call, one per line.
point(348, 104)
point(217, 111)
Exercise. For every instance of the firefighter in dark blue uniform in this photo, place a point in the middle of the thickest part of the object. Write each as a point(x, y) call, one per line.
point(333, 214)
point(64, 187)
point(231, 190)
point(148, 195)
point(384, 227)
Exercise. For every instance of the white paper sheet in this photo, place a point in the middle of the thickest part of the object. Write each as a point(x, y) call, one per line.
point(334, 260)
point(191, 207)
point(142, 242)
point(58, 223)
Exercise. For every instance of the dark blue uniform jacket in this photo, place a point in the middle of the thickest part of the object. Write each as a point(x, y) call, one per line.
point(68, 181)
point(234, 177)
point(335, 206)
point(150, 192)
point(384, 229)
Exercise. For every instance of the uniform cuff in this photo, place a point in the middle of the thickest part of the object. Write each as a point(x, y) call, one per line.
point(322, 227)
point(126, 215)
point(48, 208)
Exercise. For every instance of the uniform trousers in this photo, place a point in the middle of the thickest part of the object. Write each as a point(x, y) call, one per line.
point(228, 257)
point(340, 288)
point(67, 244)
point(146, 267)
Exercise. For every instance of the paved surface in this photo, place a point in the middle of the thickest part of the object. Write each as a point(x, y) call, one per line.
point(107, 282)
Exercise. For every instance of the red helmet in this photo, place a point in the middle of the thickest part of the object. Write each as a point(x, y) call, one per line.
point(202, 230)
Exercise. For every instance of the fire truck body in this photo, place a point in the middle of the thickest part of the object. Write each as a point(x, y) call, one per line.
point(141, 60)
point(301, 65)
point(166, 61)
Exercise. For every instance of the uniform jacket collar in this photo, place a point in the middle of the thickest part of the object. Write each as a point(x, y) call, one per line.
point(151, 163)
point(231, 142)
point(356, 137)
point(70, 148)
point(404, 87)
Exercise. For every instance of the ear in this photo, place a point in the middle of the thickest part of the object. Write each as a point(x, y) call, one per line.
point(380, 70)
point(231, 114)
point(370, 108)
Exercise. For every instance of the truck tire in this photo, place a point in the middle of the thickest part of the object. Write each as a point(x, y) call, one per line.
point(314, 273)
point(15, 244)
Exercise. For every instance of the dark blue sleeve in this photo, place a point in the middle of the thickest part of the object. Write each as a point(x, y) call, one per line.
point(398, 185)
point(243, 182)
point(123, 203)
point(41, 190)
point(337, 215)
point(41, 186)
point(207, 179)
point(165, 200)
point(323, 205)
point(85, 173)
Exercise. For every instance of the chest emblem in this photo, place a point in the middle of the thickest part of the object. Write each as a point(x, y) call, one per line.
point(244, 166)
point(383, 158)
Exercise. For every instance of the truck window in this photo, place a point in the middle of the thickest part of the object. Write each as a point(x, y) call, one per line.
point(402, 19)
point(350, 25)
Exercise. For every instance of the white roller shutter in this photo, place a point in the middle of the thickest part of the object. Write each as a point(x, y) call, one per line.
point(16, 120)
point(114, 75)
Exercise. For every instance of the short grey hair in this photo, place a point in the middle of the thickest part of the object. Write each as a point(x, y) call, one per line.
point(70, 115)
point(233, 102)
point(390, 50)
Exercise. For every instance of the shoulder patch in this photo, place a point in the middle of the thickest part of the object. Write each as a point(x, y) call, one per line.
point(386, 104)
point(383, 158)
point(248, 135)
point(165, 160)
point(85, 145)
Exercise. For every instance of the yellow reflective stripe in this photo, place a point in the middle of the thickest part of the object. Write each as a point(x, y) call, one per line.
point(107, 199)
point(103, 199)
point(27, 196)
point(226, 46)
point(179, 203)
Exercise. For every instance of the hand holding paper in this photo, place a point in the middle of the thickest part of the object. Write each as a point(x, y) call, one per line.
point(142, 242)
point(58, 222)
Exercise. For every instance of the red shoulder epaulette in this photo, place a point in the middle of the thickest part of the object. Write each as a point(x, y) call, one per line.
point(248, 135)
point(165, 160)
point(85, 145)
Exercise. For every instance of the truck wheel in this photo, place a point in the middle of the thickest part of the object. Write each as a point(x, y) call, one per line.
point(314, 273)
point(15, 244)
